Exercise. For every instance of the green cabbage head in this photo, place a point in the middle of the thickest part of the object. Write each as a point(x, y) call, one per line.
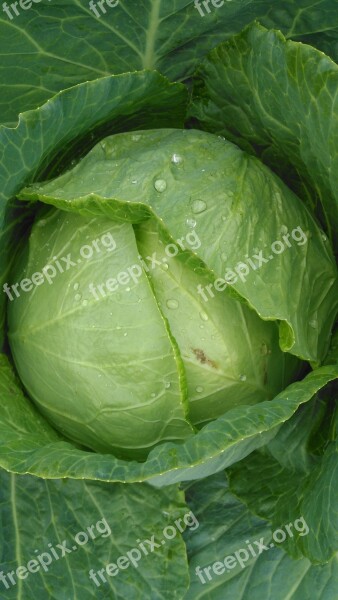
point(160, 290)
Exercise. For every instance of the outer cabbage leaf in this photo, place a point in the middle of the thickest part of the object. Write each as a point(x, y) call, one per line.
point(277, 99)
point(287, 478)
point(30, 445)
point(41, 520)
point(227, 528)
point(56, 44)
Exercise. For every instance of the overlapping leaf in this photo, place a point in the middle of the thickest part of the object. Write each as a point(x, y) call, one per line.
point(278, 99)
point(52, 45)
point(66, 531)
point(30, 445)
point(285, 479)
point(231, 539)
point(49, 138)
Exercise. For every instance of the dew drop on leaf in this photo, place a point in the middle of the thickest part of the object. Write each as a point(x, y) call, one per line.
point(172, 304)
point(160, 185)
point(176, 159)
point(198, 206)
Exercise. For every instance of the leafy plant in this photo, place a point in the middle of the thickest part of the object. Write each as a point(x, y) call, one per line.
point(169, 296)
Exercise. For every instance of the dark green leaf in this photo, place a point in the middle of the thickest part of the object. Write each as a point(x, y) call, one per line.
point(285, 481)
point(228, 529)
point(72, 529)
point(57, 44)
point(277, 99)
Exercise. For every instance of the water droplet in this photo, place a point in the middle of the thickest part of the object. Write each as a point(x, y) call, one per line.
point(323, 236)
point(165, 266)
point(118, 327)
point(136, 137)
point(85, 303)
point(167, 385)
point(176, 159)
point(172, 304)
point(78, 297)
point(242, 377)
point(153, 395)
point(201, 326)
point(224, 218)
point(199, 389)
point(313, 323)
point(128, 289)
point(42, 222)
point(198, 206)
point(76, 286)
point(204, 316)
point(191, 223)
point(283, 229)
point(134, 181)
point(125, 334)
point(160, 185)
point(221, 137)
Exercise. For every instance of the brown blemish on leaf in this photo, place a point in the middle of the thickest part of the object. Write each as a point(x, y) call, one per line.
point(204, 360)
